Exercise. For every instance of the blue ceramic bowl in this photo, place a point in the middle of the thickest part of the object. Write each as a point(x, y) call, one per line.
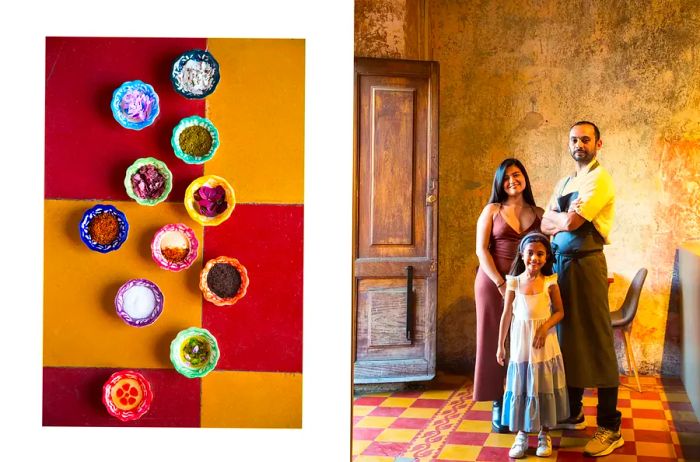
point(135, 105)
point(195, 74)
point(85, 224)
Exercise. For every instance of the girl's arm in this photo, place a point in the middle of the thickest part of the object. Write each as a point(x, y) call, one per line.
point(557, 315)
point(483, 231)
point(505, 325)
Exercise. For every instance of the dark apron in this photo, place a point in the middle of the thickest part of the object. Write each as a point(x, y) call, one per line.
point(585, 334)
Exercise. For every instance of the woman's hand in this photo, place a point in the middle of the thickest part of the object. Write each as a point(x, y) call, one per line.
point(540, 336)
point(501, 355)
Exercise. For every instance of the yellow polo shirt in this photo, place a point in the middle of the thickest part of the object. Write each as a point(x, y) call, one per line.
point(597, 191)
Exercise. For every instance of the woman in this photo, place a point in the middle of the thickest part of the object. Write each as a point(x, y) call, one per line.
point(510, 214)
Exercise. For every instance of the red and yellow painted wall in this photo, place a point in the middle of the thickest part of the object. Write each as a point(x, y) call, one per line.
point(258, 108)
point(513, 77)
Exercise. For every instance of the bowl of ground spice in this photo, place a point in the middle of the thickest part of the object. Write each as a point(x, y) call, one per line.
point(195, 140)
point(139, 302)
point(223, 281)
point(127, 395)
point(148, 181)
point(194, 352)
point(103, 228)
point(209, 200)
point(174, 247)
point(195, 74)
point(135, 105)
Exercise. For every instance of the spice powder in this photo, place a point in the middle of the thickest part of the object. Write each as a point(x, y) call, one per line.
point(195, 141)
point(104, 228)
point(224, 280)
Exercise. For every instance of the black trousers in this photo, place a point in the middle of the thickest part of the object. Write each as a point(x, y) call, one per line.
point(607, 416)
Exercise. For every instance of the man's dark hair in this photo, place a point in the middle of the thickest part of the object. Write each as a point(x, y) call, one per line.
point(585, 122)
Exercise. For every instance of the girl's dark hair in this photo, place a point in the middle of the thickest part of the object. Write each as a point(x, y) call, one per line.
point(498, 194)
point(518, 265)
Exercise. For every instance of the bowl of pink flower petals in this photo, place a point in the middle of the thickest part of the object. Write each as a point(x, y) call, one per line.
point(209, 200)
point(135, 105)
point(148, 181)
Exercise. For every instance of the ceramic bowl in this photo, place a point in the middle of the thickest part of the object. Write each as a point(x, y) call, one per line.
point(127, 395)
point(194, 352)
point(192, 205)
point(162, 169)
point(175, 235)
point(209, 295)
point(192, 122)
point(84, 228)
point(135, 105)
point(195, 74)
point(141, 315)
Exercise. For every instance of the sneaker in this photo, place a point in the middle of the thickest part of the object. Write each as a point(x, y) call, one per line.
point(603, 442)
point(519, 448)
point(572, 423)
point(544, 445)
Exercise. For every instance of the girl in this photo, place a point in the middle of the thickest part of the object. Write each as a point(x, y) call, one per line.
point(535, 397)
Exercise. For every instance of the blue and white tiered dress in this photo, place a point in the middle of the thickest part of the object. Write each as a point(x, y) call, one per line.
point(535, 394)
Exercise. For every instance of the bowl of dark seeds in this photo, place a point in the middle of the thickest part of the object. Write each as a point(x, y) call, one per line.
point(223, 281)
point(148, 181)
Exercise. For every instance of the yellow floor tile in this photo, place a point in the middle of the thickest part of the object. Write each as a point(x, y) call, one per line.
point(265, 134)
point(375, 422)
point(626, 412)
point(651, 424)
point(590, 420)
point(251, 399)
point(648, 380)
point(418, 413)
point(86, 282)
point(476, 426)
point(436, 394)
point(482, 406)
point(397, 435)
point(590, 400)
point(572, 444)
point(655, 449)
point(459, 452)
point(623, 394)
point(374, 459)
point(359, 445)
point(627, 434)
point(358, 411)
point(646, 404)
point(499, 440)
point(397, 402)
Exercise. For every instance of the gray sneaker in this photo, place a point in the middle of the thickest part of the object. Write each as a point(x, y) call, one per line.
point(603, 442)
point(572, 423)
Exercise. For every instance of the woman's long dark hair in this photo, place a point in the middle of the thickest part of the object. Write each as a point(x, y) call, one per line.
point(498, 194)
point(518, 265)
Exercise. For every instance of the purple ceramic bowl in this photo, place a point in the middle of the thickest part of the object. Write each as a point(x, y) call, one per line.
point(139, 302)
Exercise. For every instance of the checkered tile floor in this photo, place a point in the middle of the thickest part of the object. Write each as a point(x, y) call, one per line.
point(442, 424)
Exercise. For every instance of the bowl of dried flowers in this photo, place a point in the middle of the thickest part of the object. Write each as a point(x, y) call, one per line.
point(135, 105)
point(127, 395)
point(195, 74)
point(195, 140)
point(174, 247)
point(209, 200)
point(148, 181)
point(103, 228)
point(194, 352)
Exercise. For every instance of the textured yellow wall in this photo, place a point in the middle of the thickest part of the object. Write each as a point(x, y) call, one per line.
point(514, 75)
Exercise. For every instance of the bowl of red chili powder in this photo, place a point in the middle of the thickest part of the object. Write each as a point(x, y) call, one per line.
point(103, 228)
point(174, 247)
point(195, 140)
point(148, 181)
point(223, 281)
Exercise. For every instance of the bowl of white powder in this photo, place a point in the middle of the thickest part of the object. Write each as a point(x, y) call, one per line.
point(139, 302)
point(195, 74)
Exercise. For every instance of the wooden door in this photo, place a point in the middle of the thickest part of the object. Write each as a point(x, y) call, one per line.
point(395, 220)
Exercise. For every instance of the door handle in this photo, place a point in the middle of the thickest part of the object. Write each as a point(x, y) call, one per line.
point(409, 303)
point(431, 199)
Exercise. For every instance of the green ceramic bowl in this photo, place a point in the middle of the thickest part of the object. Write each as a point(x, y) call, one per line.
point(188, 122)
point(162, 169)
point(194, 352)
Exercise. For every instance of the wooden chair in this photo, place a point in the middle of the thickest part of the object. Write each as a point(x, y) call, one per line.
point(622, 318)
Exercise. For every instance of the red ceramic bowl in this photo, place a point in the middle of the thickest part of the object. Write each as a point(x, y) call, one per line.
point(127, 395)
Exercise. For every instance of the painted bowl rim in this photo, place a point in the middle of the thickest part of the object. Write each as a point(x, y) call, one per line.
point(119, 115)
point(164, 170)
point(176, 360)
point(160, 259)
point(188, 122)
point(199, 55)
point(90, 214)
point(211, 296)
point(139, 410)
point(157, 310)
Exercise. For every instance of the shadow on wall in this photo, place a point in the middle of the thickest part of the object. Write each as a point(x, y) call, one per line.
point(456, 337)
point(671, 357)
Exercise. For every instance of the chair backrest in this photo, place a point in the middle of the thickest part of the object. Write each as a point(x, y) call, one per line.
point(629, 306)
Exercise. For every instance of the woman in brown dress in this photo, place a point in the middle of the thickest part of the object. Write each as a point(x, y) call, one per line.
point(509, 215)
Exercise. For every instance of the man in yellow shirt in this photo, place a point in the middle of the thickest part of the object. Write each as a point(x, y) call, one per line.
point(579, 217)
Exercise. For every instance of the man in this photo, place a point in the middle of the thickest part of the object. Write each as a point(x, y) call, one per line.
point(579, 217)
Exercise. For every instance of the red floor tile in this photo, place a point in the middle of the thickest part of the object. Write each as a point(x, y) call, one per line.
point(428, 403)
point(648, 414)
point(478, 415)
point(369, 400)
point(652, 436)
point(652, 395)
point(387, 411)
point(86, 151)
point(263, 331)
point(468, 438)
point(73, 397)
point(410, 423)
point(379, 448)
point(493, 454)
point(656, 459)
point(366, 433)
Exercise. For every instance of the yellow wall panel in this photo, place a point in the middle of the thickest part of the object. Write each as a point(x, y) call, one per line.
point(258, 108)
point(81, 326)
point(251, 400)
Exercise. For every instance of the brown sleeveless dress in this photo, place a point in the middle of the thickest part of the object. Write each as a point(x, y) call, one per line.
point(489, 376)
